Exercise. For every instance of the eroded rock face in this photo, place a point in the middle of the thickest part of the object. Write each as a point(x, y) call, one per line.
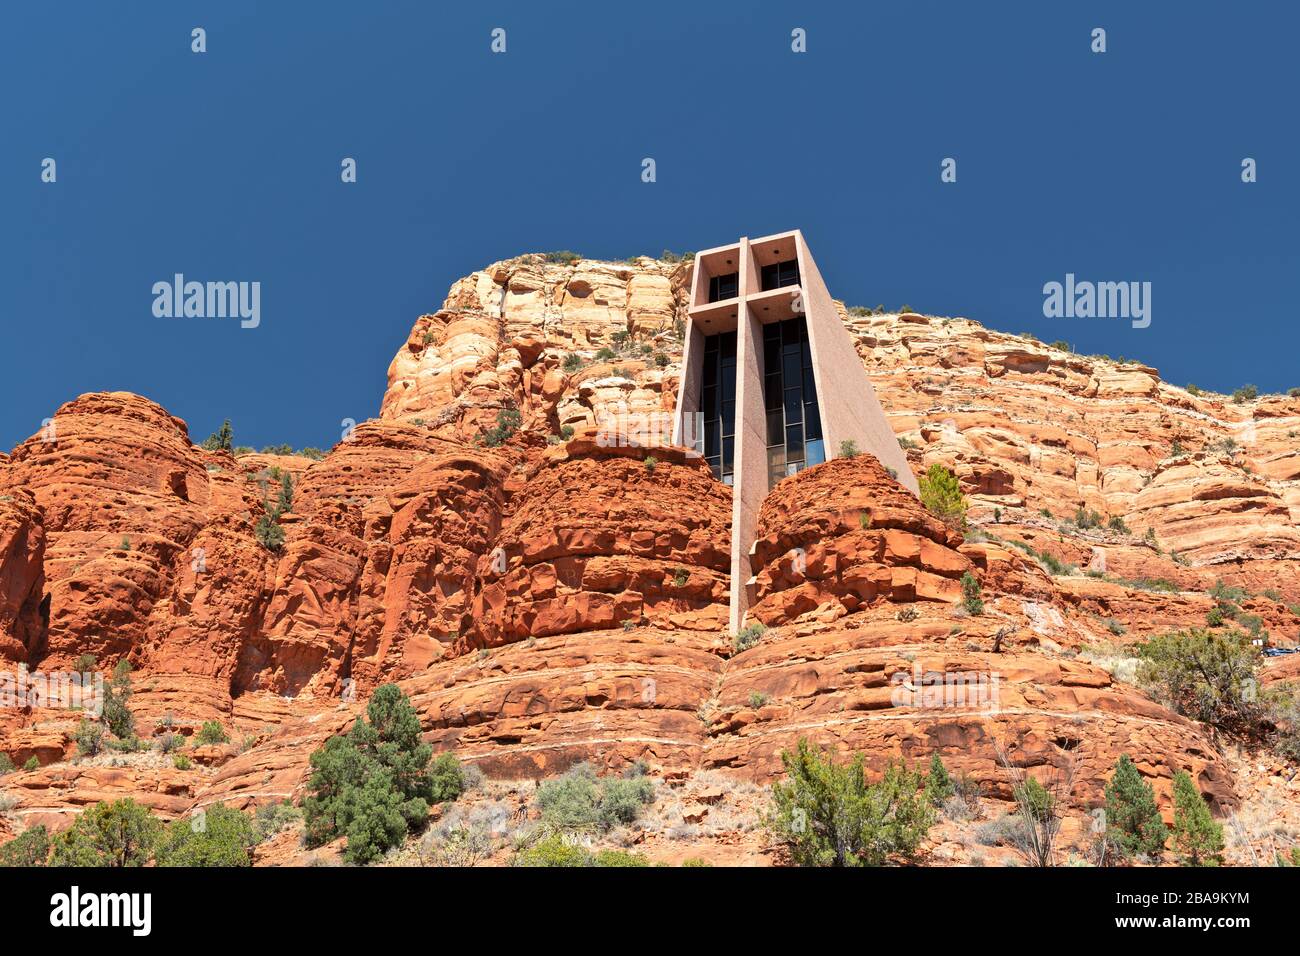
point(544, 596)
point(599, 539)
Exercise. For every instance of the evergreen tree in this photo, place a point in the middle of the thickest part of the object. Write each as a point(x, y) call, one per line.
point(30, 848)
point(938, 785)
point(121, 833)
point(285, 501)
point(941, 495)
point(1132, 819)
point(220, 837)
point(374, 783)
point(1198, 840)
point(117, 717)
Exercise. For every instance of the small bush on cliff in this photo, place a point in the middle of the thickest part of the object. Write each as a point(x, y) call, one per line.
point(117, 691)
point(269, 534)
point(942, 497)
point(1247, 393)
point(6, 764)
point(508, 422)
point(29, 848)
point(572, 363)
point(210, 733)
point(748, 637)
point(32, 764)
point(220, 440)
point(579, 801)
point(939, 788)
point(561, 256)
point(1133, 821)
point(375, 782)
point(848, 448)
point(1205, 675)
point(970, 593)
point(270, 818)
point(827, 814)
point(218, 836)
point(117, 834)
point(1198, 840)
point(89, 737)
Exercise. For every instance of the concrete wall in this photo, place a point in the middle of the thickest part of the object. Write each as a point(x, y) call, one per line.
point(848, 403)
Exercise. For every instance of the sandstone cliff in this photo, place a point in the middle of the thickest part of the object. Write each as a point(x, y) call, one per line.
point(545, 598)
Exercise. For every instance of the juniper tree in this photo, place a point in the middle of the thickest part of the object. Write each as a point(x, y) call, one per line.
point(1133, 821)
point(1198, 840)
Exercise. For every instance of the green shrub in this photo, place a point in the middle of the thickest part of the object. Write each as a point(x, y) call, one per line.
point(508, 422)
point(848, 448)
point(561, 256)
point(1133, 823)
point(210, 733)
point(218, 836)
point(1205, 675)
point(970, 591)
point(660, 359)
point(757, 699)
point(1086, 519)
point(618, 858)
point(939, 788)
point(552, 851)
point(651, 463)
point(1116, 523)
point(1247, 393)
point(605, 354)
point(572, 362)
point(182, 762)
point(942, 497)
point(29, 848)
point(828, 815)
point(748, 637)
point(220, 440)
point(6, 763)
point(579, 801)
point(269, 534)
point(32, 763)
point(374, 783)
point(270, 818)
point(89, 737)
point(118, 834)
point(117, 717)
point(1198, 840)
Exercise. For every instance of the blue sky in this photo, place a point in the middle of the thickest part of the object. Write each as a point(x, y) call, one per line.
point(225, 166)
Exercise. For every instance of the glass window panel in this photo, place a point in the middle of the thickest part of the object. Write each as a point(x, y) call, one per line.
point(790, 368)
point(712, 438)
point(812, 420)
point(771, 353)
point(815, 451)
point(728, 418)
point(794, 443)
point(790, 332)
point(793, 407)
point(809, 386)
point(776, 457)
point(807, 352)
point(728, 345)
point(728, 453)
point(772, 391)
point(775, 427)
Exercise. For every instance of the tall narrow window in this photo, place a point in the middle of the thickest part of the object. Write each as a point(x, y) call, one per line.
point(794, 427)
point(718, 403)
